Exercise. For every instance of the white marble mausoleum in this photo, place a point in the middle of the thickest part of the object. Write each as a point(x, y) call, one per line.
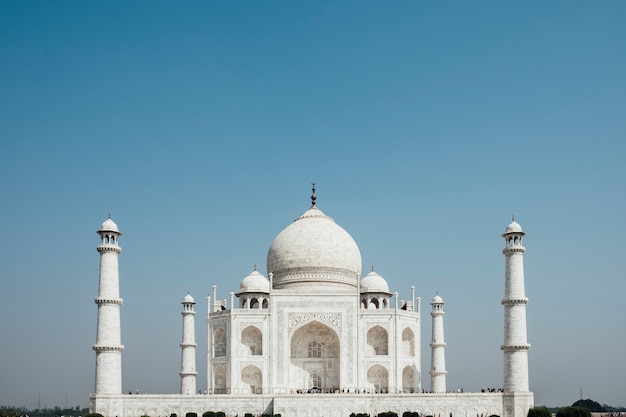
point(313, 337)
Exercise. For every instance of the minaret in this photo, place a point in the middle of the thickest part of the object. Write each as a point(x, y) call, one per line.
point(188, 345)
point(438, 348)
point(108, 345)
point(515, 345)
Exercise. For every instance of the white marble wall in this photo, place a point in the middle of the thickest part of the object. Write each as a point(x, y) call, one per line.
point(331, 405)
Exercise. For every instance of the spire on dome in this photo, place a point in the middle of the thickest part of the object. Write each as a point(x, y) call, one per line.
point(313, 196)
point(372, 266)
point(255, 266)
point(513, 217)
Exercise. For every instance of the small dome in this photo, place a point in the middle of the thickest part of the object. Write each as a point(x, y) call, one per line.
point(437, 300)
point(188, 299)
point(373, 282)
point(513, 227)
point(109, 226)
point(255, 282)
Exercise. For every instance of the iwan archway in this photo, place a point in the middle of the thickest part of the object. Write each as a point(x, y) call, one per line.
point(314, 358)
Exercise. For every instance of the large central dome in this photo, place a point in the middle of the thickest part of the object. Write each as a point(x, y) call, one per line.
point(314, 253)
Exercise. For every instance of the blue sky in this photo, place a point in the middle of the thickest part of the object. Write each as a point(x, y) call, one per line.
point(200, 126)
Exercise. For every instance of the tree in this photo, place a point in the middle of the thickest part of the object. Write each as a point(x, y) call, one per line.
point(9, 412)
point(573, 412)
point(539, 412)
point(590, 405)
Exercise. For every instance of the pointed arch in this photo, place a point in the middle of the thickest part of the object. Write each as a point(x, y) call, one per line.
point(408, 342)
point(408, 379)
point(315, 357)
point(253, 378)
point(377, 341)
point(219, 342)
point(252, 340)
point(378, 378)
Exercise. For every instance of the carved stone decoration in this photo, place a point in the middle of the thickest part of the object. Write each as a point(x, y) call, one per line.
point(331, 319)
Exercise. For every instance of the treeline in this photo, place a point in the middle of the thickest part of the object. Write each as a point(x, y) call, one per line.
point(6, 411)
point(581, 408)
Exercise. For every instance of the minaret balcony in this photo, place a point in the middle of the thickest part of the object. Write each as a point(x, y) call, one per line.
point(513, 249)
point(101, 300)
point(104, 348)
point(107, 247)
point(435, 373)
point(509, 348)
point(509, 301)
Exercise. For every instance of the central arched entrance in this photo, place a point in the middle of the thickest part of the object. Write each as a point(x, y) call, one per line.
point(314, 358)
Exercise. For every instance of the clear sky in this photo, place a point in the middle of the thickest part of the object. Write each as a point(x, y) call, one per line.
point(200, 125)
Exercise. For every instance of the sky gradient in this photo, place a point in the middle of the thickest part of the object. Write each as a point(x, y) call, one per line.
point(200, 126)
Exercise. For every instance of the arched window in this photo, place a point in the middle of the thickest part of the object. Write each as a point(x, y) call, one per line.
point(315, 350)
point(377, 341)
point(252, 340)
point(253, 378)
point(315, 379)
point(378, 378)
point(219, 343)
point(408, 379)
point(408, 342)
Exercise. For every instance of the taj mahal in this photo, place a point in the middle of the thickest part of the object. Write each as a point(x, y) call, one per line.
point(314, 337)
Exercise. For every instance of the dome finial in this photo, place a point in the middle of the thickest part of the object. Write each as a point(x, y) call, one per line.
point(255, 266)
point(513, 217)
point(372, 266)
point(313, 196)
point(109, 214)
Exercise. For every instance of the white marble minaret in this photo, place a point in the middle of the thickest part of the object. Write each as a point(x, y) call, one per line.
point(108, 345)
point(515, 346)
point(438, 348)
point(188, 345)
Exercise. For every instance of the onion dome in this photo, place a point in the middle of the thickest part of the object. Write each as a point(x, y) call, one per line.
point(109, 226)
point(188, 299)
point(254, 282)
point(513, 227)
point(373, 282)
point(314, 250)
